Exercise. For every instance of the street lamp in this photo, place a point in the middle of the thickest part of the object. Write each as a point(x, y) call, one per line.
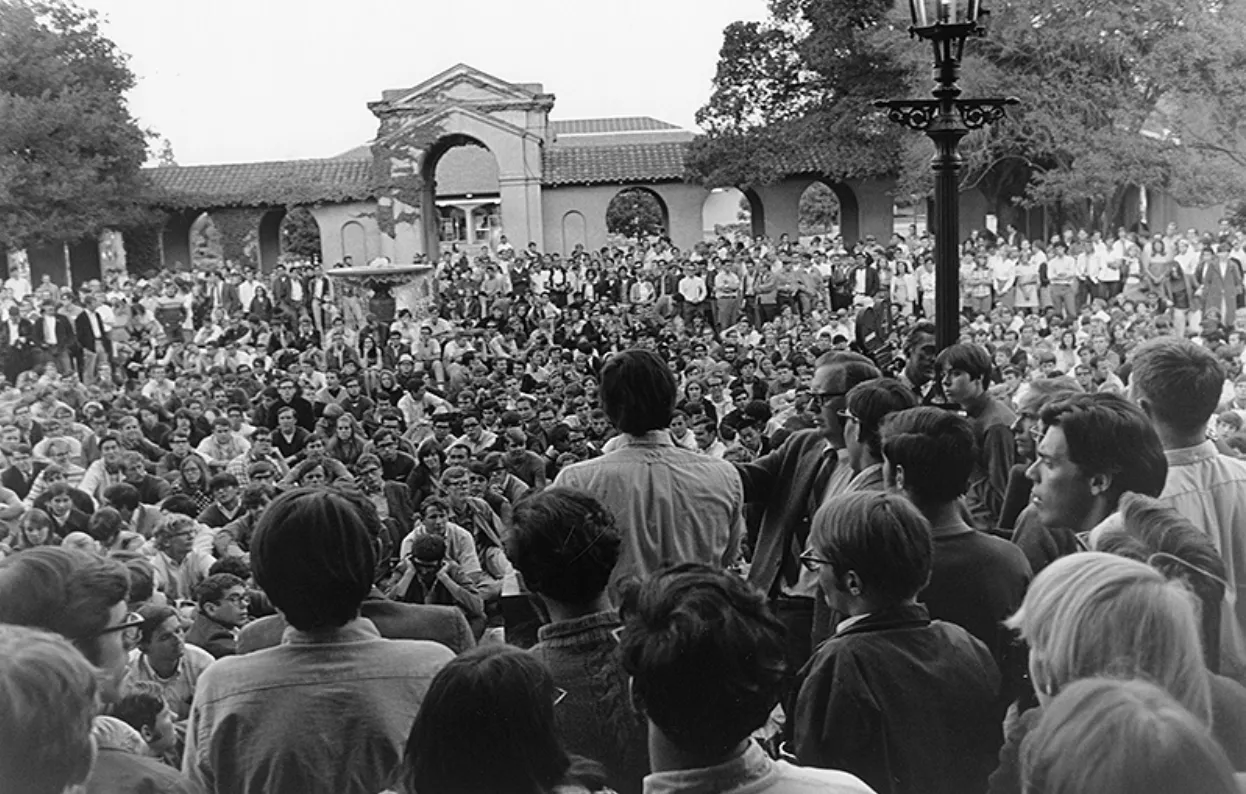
point(946, 119)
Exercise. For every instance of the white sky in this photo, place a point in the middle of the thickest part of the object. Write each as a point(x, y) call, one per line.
point(249, 80)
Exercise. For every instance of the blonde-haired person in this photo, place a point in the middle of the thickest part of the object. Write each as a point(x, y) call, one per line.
point(1091, 614)
point(1157, 535)
point(1122, 737)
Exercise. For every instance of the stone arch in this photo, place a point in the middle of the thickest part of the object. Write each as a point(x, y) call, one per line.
point(355, 243)
point(731, 209)
point(430, 214)
point(849, 220)
point(757, 213)
point(574, 231)
point(270, 238)
point(663, 209)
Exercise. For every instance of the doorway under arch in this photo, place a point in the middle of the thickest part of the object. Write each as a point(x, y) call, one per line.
point(461, 204)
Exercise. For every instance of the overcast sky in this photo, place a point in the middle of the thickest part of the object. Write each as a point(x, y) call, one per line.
point(248, 80)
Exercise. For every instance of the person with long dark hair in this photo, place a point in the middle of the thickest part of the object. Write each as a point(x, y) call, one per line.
point(501, 698)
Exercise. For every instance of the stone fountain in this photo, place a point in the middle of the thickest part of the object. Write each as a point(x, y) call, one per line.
point(393, 286)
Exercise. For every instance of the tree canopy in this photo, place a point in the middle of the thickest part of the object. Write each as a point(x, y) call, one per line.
point(635, 213)
point(1116, 94)
point(70, 153)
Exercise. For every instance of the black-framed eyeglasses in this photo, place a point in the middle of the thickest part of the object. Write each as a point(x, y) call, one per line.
point(818, 399)
point(131, 620)
point(812, 562)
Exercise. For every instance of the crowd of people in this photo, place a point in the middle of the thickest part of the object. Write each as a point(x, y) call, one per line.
point(641, 519)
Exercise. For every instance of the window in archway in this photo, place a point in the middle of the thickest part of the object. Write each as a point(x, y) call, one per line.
point(636, 212)
point(453, 224)
point(819, 211)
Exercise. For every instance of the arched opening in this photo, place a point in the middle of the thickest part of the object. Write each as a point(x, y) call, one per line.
point(637, 212)
point(206, 248)
point(574, 232)
point(829, 209)
point(910, 215)
point(462, 205)
point(354, 243)
point(727, 212)
point(300, 237)
point(269, 238)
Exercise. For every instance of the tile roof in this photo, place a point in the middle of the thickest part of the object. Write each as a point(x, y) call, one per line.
point(609, 125)
point(260, 184)
point(586, 165)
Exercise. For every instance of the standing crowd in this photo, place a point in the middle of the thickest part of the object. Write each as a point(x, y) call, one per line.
point(641, 519)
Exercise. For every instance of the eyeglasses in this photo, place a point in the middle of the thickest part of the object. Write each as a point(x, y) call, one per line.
point(236, 599)
point(131, 620)
point(812, 562)
point(818, 399)
point(845, 416)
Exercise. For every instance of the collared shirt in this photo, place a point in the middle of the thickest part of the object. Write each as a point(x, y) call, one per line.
point(179, 688)
point(323, 711)
point(49, 329)
point(753, 772)
point(671, 504)
point(1209, 489)
point(178, 580)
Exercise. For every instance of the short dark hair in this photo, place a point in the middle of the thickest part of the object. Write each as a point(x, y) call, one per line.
point(313, 556)
point(1107, 434)
point(880, 536)
point(705, 654)
point(104, 525)
point(564, 543)
point(154, 616)
point(969, 358)
point(936, 449)
point(122, 495)
point(502, 698)
point(1180, 381)
point(62, 590)
point(212, 589)
point(222, 480)
point(180, 504)
point(871, 401)
point(141, 706)
point(638, 391)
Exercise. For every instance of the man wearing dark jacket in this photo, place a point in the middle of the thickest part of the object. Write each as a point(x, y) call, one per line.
point(222, 600)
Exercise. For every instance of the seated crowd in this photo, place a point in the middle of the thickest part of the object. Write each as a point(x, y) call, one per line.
point(543, 542)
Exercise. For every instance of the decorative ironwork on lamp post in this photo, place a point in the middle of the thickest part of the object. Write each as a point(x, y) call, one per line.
point(946, 119)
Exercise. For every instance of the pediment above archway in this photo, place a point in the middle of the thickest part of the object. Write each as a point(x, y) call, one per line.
point(463, 86)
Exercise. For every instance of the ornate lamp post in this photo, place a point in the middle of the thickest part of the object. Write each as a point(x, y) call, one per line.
point(946, 119)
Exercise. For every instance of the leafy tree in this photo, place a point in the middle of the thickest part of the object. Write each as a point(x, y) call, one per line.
point(70, 153)
point(300, 236)
point(1114, 95)
point(819, 209)
point(635, 213)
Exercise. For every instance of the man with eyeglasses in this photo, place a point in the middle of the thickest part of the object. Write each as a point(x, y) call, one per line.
point(476, 437)
point(20, 475)
point(396, 465)
point(791, 483)
point(81, 597)
point(222, 611)
point(261, 451)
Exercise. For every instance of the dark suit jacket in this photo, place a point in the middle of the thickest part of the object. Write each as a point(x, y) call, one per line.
point(395, 621)
point(19, 483)
point(25, 329)
point(86, 337)
point(782, 481)
point(906, 704)
point(65, 336)
point(231, 301)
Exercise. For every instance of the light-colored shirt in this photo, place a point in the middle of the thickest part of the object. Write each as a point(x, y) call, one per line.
point(753, 772)
point(670, 504)
point(179, 688)
point(1209, 490)
point(328, 711)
